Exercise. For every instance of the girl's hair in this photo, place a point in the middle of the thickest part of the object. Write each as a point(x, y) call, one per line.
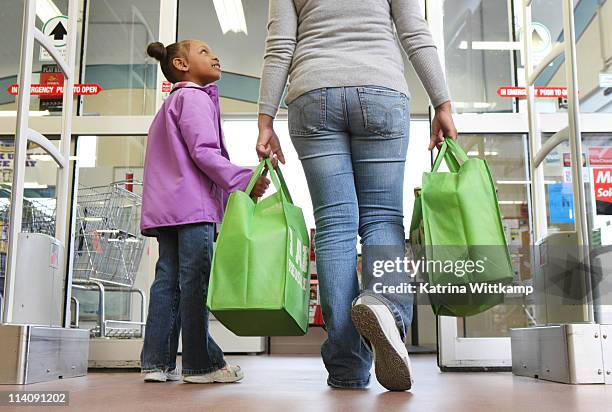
point(165, 54)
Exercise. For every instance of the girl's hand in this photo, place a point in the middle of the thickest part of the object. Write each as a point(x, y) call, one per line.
point(268, 144)
point(442, 125)
point(260, 186)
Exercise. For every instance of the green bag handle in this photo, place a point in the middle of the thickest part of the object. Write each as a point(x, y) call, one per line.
point(256, 173)
point(452, 153)
point(275, 175)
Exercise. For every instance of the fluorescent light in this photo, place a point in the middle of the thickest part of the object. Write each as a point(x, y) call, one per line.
point(231, 16)
point(496, 45)
point(32, 185)
point(47, 158)
point(476, 153)
point(522, 182)
point(33, 113)
point(512, 202)
point(513, 182)
point(46, 10)
point(41, 157)
point(474, 105)
point(490, 45)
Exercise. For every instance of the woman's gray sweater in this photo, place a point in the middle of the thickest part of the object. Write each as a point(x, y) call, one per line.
point(336, 43)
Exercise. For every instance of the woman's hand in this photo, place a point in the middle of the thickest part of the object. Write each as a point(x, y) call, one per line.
point(268, 144)
point(442, 125)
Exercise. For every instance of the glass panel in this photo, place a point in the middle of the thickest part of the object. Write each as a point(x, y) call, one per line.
point(478, 48)
point(594, 52)
point(39, 194)
point(558, 188)
point(118, 33)
point(505, 155)
point(44, 70)
point(241, 137)
point(241, 53)
point(598, 146)
point(561, 296)
point(108, 242)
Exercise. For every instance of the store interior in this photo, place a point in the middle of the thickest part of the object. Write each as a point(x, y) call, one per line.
point(480, 42)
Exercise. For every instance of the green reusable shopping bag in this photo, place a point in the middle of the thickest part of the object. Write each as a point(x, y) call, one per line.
point(259, 283)
point(456, 220)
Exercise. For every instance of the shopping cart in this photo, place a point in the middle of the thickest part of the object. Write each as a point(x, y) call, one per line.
point(108, 250)
point(108, 243)
point(38, 216)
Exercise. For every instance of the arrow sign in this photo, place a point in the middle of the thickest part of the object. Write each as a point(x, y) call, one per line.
point(56, 30)
point(59, 32)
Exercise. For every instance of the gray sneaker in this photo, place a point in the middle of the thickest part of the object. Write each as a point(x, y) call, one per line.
point(375, 322)
point(227, 374)
point(160, 376)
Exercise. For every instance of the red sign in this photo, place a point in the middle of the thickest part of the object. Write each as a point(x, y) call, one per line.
point(600, 156)
point(129, 179)
point(50, 89)
point(521, 92)
point(602, 184)
point(567, 160)
point(166, 87)
point(51, 77)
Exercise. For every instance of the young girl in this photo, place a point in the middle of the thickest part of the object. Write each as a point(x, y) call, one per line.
point(187, 177)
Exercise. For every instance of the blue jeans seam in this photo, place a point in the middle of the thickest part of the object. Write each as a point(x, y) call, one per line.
point(356, 383)
point(173, 320)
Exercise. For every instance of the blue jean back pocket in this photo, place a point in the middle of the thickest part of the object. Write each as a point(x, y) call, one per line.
point(385, 111)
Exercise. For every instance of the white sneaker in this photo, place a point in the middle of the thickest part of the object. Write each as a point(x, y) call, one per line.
point(375, 322)
point(160, 376)
point(227, 374)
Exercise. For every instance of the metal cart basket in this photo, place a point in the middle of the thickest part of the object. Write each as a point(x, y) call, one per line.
point(38, 217)
point(108, 249)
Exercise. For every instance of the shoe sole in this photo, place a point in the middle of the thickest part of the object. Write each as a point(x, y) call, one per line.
point(391, 370)
point(155, 380)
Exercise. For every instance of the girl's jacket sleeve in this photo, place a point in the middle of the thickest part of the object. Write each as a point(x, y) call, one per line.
point(198, 125)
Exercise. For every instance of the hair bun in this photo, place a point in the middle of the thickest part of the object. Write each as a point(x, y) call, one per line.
point(157, 50)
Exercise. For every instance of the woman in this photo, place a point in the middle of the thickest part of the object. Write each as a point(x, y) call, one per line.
point(348, 121)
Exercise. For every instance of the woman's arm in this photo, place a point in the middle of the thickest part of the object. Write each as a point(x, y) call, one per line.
point(280, 45)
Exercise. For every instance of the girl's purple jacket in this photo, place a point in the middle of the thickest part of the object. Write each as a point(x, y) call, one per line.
point(187, 172)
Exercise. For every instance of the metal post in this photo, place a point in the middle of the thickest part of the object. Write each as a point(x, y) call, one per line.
point(101, 308)
point(535, 140)
point(575, 138)
point(21, 142)
point(62, 231)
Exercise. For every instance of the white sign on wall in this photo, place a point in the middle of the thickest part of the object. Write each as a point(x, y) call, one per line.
point(605, 80)
point(56, 29)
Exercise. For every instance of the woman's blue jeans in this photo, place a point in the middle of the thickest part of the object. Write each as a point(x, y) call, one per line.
point(352, 142)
